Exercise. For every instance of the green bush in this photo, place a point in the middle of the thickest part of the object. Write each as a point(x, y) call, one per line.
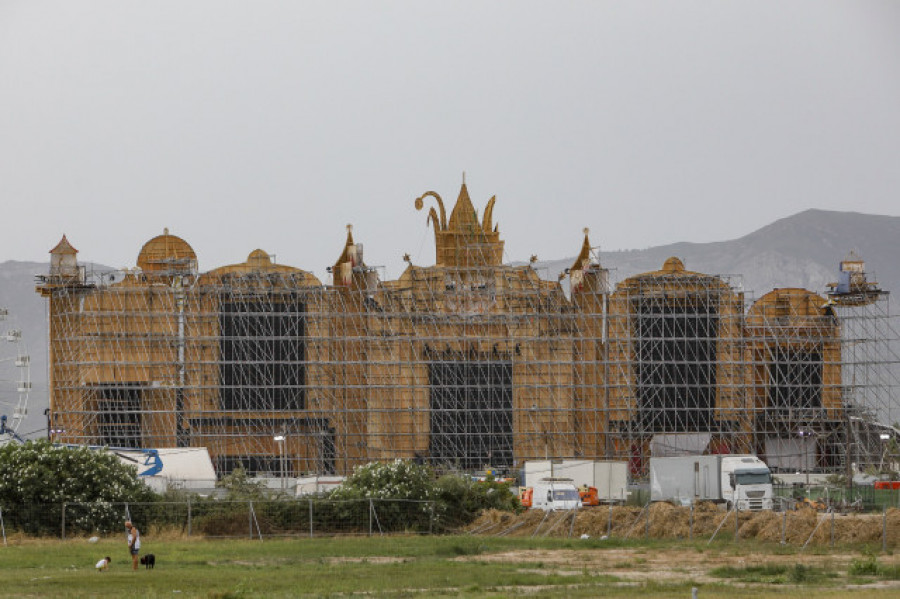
point(461, 500)
point(40, 476)
point(402, 488)
point(800, 573)
point(399, 479)
point(240, 487)
point(453, 500)
point(863, 567)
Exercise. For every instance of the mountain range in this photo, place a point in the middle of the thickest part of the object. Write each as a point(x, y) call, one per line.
point(803, 250)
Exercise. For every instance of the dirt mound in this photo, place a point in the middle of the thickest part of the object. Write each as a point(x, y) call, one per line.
point(666, 521)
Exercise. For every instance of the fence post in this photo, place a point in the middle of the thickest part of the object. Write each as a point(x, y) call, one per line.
point(250, 518)
point(884, 529)
point(609, 521)
point(310, 518)
point(737, 511)
point(783, 525)
point(189, 516)
point(430, 518)
point(832, 528)
point(691, 529)
point(371, 511)
point(647, 524)
point(63, 531)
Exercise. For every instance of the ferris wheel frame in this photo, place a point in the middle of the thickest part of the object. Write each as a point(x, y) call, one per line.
point(14, 402)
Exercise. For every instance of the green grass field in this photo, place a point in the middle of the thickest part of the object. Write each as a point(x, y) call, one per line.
point(440, 566)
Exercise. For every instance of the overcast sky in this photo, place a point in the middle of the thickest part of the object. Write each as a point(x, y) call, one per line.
point(243, 125)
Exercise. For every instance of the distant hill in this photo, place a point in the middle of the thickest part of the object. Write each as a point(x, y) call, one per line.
point(798, 251)
point(803, 250)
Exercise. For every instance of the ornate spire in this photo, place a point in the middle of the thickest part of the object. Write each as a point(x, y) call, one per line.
point(63, 247)
point(342, 271)
point(584, 257)
point(463, 240)
point(463, 215)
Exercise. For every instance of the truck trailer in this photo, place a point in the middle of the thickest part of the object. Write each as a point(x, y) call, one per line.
point(741, 480)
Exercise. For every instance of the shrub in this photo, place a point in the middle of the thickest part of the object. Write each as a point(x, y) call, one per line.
point(461, 500)
point(402, 489)
point(864, 567)
point(36, 478)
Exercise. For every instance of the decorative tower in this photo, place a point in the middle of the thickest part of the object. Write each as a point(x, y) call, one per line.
point(63, 261)
point(463, 241)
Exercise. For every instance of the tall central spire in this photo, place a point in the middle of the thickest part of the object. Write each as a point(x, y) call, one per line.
point(463, 241)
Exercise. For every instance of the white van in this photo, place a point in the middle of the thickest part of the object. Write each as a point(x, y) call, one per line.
point(552, 494)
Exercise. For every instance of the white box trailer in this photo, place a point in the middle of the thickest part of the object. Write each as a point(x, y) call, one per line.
point(608, 477)
point(686, 478)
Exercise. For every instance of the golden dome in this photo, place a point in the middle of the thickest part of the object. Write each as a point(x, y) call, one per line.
point(259, 258)
point(166, 253)
point(673, 264)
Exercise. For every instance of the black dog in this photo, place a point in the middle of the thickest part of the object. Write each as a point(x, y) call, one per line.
point(148, 560)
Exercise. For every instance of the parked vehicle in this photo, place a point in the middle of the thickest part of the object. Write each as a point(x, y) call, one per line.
point(597, 481)
point(742, 480)
point(551, 494)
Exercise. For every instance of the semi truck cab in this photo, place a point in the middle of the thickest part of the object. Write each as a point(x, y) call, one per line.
point(747, 483)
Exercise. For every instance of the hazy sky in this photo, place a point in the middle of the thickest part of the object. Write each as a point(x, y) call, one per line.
point(268, 124)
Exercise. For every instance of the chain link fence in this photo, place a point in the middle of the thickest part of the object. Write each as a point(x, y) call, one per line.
point(231, 519)
point(320, 517)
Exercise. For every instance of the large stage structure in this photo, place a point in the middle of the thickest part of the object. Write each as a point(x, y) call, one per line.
point(464, 364)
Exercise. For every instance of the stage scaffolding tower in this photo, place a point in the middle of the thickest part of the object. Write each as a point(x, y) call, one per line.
point(467, 364)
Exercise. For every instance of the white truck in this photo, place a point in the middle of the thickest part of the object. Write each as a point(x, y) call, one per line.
point(551, 493)
point(608, 477)
point(741, 480)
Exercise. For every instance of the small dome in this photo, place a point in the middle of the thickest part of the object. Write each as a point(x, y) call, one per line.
point(166, 253)
point(259, 258)
point(673, 264)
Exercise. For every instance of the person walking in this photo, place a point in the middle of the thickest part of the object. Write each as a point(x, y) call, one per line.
point(134, 543)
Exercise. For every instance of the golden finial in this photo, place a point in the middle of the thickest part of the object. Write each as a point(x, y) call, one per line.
point(464, 177)
point(349, 228)
point(406, 258)
point(586, 231)
point(166, 231)
point(533, 258)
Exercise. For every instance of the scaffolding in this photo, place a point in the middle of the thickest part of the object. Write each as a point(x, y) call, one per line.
point(467, 364)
